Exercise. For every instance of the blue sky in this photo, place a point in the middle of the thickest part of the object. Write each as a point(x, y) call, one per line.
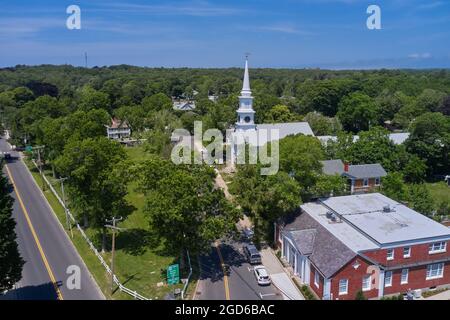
point(211, 33)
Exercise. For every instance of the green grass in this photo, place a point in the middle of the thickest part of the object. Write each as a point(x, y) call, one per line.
point(439, 191)
point(138, 265)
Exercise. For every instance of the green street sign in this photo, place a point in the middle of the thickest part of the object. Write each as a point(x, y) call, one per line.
point(173, 274)
point(28, 148)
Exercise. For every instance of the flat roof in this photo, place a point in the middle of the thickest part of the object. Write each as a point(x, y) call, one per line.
point(401, 224)
point(348, 235)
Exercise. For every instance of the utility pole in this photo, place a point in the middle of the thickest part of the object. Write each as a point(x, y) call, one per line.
point(38, 149)
point(85, 60)
point(69, 225)
point(113, 227)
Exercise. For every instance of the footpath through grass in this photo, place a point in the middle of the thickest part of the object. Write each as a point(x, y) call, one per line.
point(140, 264)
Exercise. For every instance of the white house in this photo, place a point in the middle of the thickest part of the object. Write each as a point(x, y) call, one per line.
point(118, 129)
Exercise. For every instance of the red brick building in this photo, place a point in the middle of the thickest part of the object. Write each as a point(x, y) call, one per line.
point(368, 242)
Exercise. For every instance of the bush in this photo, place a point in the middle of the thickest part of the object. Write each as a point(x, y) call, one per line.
point(360, 296)
point(306, 291)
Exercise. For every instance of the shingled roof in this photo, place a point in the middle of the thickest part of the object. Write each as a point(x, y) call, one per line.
point(365, 171)
point(325, 251)
point(360, 171)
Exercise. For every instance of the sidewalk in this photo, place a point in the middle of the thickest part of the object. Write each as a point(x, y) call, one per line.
point(280, 278)
point(440, 296)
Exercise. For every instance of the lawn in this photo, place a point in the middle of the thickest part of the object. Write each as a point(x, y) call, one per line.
point(440, 192)
point(140, 264)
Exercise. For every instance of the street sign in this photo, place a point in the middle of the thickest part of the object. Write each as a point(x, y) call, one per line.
point(28, 148)
point(173, 274)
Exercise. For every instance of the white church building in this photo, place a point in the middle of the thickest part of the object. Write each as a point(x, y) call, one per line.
point(246, 131)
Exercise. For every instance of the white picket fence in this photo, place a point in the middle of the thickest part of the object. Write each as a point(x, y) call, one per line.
point(122, 288)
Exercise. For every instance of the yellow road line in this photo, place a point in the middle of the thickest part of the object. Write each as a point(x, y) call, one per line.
point(225, 277)
point(36, 239)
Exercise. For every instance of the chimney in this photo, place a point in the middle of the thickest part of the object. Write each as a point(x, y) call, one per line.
point(346, 166)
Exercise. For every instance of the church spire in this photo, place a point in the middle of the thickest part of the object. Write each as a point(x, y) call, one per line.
point(246, 91)
point(246, 114)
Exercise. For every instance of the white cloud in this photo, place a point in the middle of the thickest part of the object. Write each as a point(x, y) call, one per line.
point(195, 8)
point(425, 55)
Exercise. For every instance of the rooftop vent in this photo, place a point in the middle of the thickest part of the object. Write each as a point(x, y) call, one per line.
point(334, 218)
point(387, 208)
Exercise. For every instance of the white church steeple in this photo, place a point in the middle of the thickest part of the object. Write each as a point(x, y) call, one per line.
point(246, 114)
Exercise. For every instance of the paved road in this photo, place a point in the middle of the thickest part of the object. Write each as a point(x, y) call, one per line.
point(240, 282)
point(43, 244)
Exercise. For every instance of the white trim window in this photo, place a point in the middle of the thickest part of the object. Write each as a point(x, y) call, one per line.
point(390, 254)
point(437, 247)
point(377, 181)
point(435, 271)
point(366, 182)
point(343, 286)
point(366, 282)
point(407, 252)
point(316, 278)
point(388, 279)
point(405, 275)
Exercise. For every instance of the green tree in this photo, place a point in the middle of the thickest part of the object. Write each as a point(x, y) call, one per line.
point(323, 126)
point(358, 112)
point(389, 104)
point(299, 157)
point(415, 169)
point(157, 102)
point(394, 187)
point(327, 186)
point(97, 180)
point(186, 211)
point(420, 199)
point(280, 113)
point(11, 262)
point(93, 99)
point(265, 198)
point(430, 141)
point(431, 99)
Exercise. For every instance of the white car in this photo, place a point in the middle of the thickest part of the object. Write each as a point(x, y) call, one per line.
point(262, 276)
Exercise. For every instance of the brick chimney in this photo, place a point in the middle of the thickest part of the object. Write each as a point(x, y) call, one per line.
point(346, 166)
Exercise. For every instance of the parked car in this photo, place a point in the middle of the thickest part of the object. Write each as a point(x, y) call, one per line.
point(262, 276)
point(252, 254)
point(248, 233)
point(7, 155)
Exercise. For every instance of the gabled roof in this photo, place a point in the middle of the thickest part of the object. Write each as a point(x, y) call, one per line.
point(287, 129)
point(117, 123)
point(184, 105)
point(365, 171)
point(303, 240)
point(328, 253)
point(361, 171)
point(332, 167)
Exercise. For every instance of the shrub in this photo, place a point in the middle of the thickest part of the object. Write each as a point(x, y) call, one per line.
point(360, 296)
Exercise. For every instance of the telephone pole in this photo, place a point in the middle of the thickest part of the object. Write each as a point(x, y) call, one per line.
point(69, 225)
point(113, 227)
point(38, 149)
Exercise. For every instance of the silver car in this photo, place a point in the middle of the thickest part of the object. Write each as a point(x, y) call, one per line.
point(262, 276)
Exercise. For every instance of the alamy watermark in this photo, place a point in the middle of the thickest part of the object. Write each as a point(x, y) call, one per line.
point(73, 22)
point(374, 20)
point(258, 146)
point(74, 279)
